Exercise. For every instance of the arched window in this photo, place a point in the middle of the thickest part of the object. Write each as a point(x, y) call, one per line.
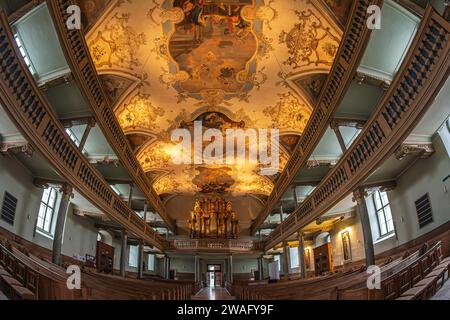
point(384, 215)
point(47, 211)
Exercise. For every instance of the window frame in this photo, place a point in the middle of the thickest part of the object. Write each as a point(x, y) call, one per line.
point(45, 203)
point(382, 210)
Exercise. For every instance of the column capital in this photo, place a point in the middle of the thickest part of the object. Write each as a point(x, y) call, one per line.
point(67, 190)
point(359, 194)
point(334, 125)
point(91, 122)
point(23, 147)
point(421, 150)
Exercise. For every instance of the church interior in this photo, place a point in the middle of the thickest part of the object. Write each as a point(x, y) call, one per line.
point(224, 150)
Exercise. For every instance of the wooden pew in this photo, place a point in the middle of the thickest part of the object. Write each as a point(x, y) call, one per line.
point(397, 276)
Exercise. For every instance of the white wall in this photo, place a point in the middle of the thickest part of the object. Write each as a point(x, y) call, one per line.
point(183, 264)
point(80, 236)
point(425, 176)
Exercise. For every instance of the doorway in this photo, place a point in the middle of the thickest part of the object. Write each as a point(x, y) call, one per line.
point(214, 278)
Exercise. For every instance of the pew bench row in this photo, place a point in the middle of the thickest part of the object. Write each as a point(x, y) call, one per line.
point(428, 287)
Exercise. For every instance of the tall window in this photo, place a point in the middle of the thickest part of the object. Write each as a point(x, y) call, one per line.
point(277, 259)
point(383, 211)
point(24, 53)
point(293, 254)
point(151, 262)
point(133, 258)
point(46, 211)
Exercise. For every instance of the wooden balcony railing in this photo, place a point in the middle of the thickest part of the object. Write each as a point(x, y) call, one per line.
point(422, 74)
point(34, 117)
point(216, 245)
point(349, 55)
point(77, 54)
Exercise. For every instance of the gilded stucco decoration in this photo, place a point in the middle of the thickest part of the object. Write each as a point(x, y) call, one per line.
point(289, 112)
point(139, 112)
point(117, 44)
point(310, 41)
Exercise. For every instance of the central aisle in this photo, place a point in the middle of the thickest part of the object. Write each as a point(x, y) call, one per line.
point(213, 294)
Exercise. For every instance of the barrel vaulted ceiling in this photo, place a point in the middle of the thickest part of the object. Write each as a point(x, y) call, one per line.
point(252, 64)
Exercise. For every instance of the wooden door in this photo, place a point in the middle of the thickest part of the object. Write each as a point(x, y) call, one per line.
point(105, 257)
point(323, 261)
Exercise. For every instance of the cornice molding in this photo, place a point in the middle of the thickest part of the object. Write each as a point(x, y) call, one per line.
point(422, 151)
point(9, 148)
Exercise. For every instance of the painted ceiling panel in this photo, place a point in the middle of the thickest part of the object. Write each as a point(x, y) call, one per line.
point(231, 64)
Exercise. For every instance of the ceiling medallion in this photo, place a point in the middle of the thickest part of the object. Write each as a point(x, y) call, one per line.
point(213, 218)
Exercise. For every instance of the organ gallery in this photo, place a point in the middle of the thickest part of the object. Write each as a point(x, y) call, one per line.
point(213, 218)
point(224, 150)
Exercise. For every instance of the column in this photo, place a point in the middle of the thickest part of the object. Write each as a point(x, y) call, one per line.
point(167, 267)
point(141, 260)
point(301, 254)
point(145, 211)
point(359, 196)
point(286, 268)
point(230, 268)
point(66, 191)
point(281, 213)
point(338, 134)
point(89, 126)
point(130, 195)
point(196, 277)
point(260, 268)
point(294, 191)
point(123, 253)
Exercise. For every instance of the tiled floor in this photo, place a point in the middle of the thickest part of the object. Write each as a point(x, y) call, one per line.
point(213, 294)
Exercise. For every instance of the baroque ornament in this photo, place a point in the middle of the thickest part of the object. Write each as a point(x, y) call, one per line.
point(117, 44)
point(289, 113)
point(139, 113)
point(309, 42)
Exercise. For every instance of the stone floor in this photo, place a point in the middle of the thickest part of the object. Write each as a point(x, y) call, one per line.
point(444, 293)
point(213, 294)
point(3, 297)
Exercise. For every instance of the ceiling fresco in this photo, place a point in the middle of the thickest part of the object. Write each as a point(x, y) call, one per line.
point(231, 64)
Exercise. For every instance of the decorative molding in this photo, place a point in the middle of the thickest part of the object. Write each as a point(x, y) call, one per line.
point(412, 7)
point(78, 121)
point(311, 164)
point(422, 151)
point(7, 148)
point(335, 217)
point(363, 77)
point(350, 53)
point(384, 186)
point(422, 75)
point(224, 246)
point(24, 10)
point(55, 79)
point(348, 122)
